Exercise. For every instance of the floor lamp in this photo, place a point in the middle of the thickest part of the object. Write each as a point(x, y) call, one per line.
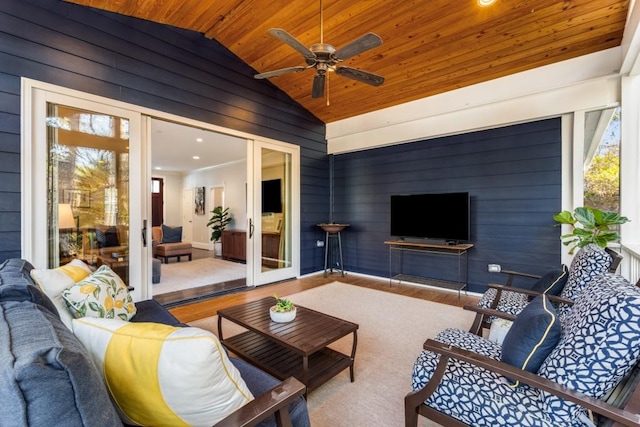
point(66, 222)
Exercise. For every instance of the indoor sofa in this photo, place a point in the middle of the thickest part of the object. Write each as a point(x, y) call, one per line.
point(48, 377)
point(167, 243)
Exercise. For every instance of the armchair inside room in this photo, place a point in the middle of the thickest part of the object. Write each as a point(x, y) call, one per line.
point(546, 372)
point(560, 285)
point(104, 240)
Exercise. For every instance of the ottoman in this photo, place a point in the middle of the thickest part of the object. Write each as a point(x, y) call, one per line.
point(155, 270)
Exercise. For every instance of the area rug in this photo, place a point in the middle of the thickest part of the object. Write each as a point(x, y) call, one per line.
point(178, 276)
point(392, 329)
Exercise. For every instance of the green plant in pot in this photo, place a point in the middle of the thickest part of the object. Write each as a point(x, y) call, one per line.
point(283, 311)
point(590, 225)
point(219, 220)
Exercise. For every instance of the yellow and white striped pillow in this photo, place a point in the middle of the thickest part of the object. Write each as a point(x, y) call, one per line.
point(163, 375)
point(55, 280)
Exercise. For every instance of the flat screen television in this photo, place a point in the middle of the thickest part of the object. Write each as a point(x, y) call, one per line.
point(438, 216)
point(272, 196)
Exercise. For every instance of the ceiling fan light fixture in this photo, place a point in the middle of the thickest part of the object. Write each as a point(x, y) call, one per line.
point(485, 3)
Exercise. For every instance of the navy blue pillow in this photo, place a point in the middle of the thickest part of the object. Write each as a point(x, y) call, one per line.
point(171, 234)
point(552, 282)
point(107, 238)
point(533, 335)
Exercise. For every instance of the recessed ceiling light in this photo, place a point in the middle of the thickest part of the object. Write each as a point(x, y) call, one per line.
point(198, 139)
point(196, 157)
point(158, 168)
point(484, 3)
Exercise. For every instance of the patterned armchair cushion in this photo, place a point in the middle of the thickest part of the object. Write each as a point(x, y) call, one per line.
point(476, 396)
point(600, 343)
point(590, 262)
point(510, 302)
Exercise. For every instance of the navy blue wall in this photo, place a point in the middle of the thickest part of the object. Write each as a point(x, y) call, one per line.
point(513, 175)
point(151, 65)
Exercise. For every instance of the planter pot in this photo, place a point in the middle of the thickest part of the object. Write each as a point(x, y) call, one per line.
point(281, 317)
point(217, 247)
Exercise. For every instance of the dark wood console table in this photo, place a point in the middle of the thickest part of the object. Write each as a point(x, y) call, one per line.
point(401, 246)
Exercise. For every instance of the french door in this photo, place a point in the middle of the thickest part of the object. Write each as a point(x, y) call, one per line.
point(273, 234)
point(83, 189)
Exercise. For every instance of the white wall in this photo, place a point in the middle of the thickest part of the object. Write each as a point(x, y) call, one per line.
point(231, 176)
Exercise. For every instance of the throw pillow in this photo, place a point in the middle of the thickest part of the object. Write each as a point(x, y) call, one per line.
point(164, 375)
point(171, 234)
point(101, 294)
point(533, 335)
point(551, 282)
point(107, 238)
point(53, 281)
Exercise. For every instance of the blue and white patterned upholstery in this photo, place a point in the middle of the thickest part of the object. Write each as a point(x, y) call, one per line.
point(588, 263)
point(600, 343)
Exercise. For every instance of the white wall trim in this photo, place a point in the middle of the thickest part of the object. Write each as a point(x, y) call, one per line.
point(586, 82)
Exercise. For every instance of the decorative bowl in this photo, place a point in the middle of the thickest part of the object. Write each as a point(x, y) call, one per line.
point(282, 316)
point(333, 228)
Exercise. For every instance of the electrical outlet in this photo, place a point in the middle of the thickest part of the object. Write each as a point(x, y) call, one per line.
point(494, 268)
point(319, 244)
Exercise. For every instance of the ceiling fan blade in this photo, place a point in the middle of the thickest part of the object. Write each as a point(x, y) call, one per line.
point(281, 34)
point(361, 76)
point(274, 73)
point(364, 43)
point(318, 86)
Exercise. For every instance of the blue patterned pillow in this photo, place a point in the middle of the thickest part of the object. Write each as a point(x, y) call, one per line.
point(533, 335)
point(590, 262)
point(171, 234)
point(600, 343)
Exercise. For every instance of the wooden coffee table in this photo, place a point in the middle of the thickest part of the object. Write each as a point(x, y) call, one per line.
point(298, 348)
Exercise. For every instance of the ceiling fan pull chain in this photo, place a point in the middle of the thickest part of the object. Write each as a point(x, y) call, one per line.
point(328, 89)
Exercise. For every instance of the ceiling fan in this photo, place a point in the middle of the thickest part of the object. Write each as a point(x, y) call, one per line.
point(324, 57)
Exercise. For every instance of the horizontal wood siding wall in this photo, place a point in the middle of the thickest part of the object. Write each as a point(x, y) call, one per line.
point(513, 175)
point(150, 65)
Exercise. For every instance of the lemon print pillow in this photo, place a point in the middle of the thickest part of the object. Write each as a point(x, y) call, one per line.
point(102, 294)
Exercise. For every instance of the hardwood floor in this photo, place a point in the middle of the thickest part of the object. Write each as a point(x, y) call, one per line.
point(210, 307)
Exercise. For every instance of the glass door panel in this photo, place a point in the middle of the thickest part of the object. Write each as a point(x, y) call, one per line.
point(88, 188)
point(274, 235)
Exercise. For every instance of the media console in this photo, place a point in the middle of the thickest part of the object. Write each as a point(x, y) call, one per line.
point(399, 247)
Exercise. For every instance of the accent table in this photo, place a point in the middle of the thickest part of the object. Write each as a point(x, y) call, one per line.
point(298, 348)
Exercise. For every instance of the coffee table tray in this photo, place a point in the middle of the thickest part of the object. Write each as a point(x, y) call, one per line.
point(282, 362)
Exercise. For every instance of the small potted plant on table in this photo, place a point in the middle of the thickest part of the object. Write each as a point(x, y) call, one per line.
point(284, 311)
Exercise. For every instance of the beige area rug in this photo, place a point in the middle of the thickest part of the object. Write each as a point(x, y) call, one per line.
point(392, 329)
point(178, 276)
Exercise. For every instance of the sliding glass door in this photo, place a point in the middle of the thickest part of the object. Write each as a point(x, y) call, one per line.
point(84, 197)
point(274, 225)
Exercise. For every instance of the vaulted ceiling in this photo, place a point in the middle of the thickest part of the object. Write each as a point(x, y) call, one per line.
point(429, 46)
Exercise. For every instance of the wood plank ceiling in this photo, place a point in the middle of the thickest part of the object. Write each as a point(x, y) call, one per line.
point(429, 46)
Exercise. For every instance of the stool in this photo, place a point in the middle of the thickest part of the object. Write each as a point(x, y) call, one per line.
point(332, 232)
point(156, 267)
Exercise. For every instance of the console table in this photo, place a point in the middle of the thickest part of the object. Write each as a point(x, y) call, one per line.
point(399, 247)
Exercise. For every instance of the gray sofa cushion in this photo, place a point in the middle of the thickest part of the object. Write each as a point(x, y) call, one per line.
point(259, 382)
point(47, 376)
point(16, 284)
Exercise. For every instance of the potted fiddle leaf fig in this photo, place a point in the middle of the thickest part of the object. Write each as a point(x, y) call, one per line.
point(219, 220)
point(590, 225)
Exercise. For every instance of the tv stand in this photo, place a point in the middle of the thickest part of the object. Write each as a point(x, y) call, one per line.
point(399, 247)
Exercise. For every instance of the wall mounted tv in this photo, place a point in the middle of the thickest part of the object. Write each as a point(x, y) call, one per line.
point(272, 196)
point(438, 216)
